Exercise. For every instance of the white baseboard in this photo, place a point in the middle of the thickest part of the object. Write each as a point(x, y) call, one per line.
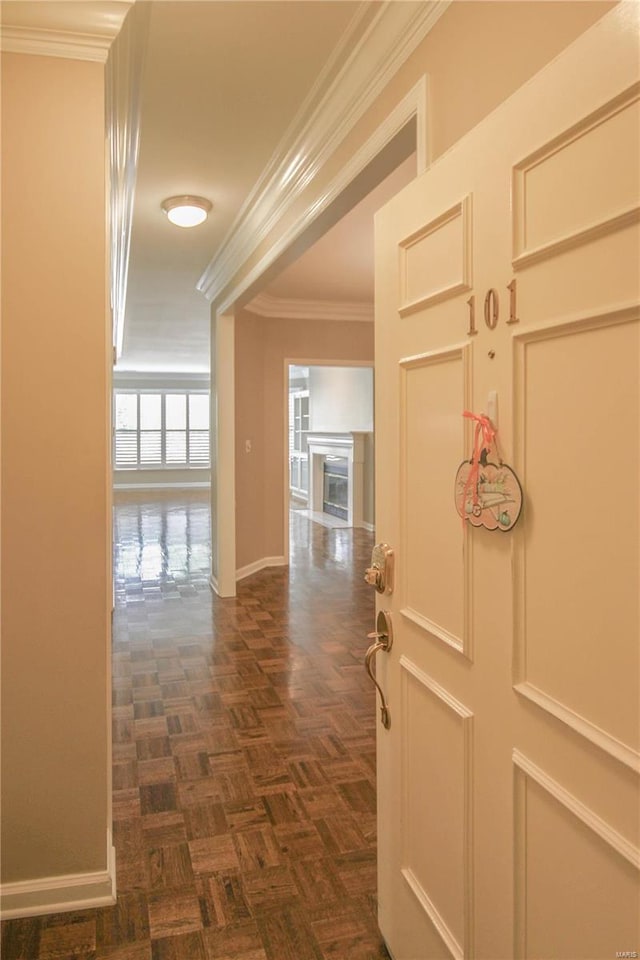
point(368, 526)
point(250, 569)
point(78, 891)
point(258, 565)
point(185, 485)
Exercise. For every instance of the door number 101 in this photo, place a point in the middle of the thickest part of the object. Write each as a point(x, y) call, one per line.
point(492, 309)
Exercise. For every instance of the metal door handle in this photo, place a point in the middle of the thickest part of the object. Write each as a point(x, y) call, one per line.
point(383, 640)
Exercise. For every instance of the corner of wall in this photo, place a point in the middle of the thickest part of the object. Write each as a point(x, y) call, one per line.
point(81, 891)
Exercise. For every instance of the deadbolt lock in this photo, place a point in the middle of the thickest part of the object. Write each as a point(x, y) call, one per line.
point(380, 573)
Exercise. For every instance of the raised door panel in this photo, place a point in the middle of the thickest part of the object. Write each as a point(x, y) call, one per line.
point(581, 185)
point(436, 789)
point(576, 877)
point(434, 581)
point(435, 260)
point(576, 623)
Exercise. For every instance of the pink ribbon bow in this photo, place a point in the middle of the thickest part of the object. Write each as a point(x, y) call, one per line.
point(484, 437)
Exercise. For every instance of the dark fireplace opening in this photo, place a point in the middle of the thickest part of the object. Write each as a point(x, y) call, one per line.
point(335, 496)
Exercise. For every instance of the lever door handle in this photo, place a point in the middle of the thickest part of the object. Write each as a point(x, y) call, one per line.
point(383, 640)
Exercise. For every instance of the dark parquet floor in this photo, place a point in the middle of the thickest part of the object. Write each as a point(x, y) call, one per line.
point(244, 754)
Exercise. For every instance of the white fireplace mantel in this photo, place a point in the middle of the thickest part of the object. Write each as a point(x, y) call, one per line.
point(351, 447)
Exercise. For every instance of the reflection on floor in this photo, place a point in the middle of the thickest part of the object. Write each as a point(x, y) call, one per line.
point(324, 519)
point(244, 754)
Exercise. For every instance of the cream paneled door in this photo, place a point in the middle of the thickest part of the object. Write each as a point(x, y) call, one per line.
point(508, 780)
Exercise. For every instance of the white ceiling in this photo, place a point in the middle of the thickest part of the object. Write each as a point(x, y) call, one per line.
point(226, 89)
point(222, 82)
point(339, 267)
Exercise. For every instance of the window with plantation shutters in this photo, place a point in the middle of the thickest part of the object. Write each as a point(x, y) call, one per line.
point(126, 424)
point(176, 428)
point(150, 429)
point(155, 429)
point(198, 430)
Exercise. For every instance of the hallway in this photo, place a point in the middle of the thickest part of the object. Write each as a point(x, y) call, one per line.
point(243, 754)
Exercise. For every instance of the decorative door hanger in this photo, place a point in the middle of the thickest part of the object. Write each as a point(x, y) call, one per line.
point(487, 494)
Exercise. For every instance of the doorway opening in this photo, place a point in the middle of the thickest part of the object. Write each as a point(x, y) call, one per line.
point(330, 456)
point(308, 278)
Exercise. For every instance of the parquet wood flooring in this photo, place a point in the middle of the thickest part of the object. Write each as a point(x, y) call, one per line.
point(243, 754)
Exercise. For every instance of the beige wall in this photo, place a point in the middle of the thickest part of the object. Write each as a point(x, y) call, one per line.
point(477, 54)
point(262, 346)
point(55, 474)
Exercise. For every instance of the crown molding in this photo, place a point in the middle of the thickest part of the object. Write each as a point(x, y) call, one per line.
point(124, 75)
point(290, 309)
point(74, 31)
point(413, 105)
point(55, 43)
point(377, 42)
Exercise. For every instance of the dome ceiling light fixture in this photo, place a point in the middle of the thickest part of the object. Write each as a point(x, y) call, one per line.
point(186, 211)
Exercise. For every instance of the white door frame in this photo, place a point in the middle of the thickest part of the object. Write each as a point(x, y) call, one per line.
point(412, 108)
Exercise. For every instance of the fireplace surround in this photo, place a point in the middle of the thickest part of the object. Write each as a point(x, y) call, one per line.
point(347, 451)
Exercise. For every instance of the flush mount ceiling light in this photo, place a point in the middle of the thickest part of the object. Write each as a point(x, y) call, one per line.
point(186, 211)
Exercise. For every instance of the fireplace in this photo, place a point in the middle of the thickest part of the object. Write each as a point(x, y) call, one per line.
point(336, 475)
point(335, 487)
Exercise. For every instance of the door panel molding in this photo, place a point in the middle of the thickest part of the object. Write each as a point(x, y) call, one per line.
point(612, 225)
point(611, 745)
point(580, 148)
point(524, 770)
point(434, 630)
point(459, 354)
point(586, 727)
point(525, 766)
point(410, 671)
point(420, 260)
point(447, 937)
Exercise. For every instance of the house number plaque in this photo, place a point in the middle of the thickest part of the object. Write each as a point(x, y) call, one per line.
point(492, 309)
